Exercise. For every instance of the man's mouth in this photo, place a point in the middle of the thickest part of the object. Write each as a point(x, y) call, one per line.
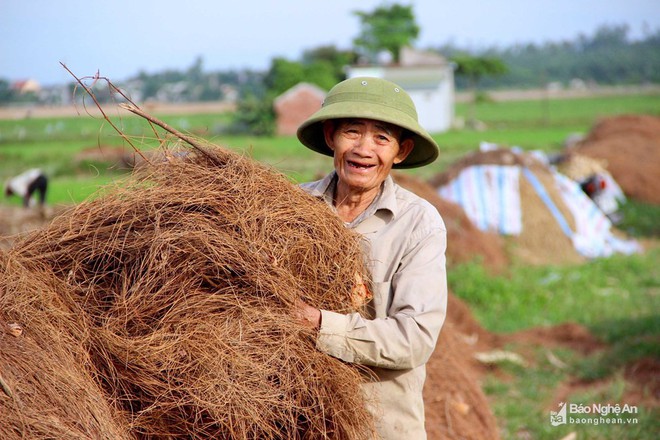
point(359, 166)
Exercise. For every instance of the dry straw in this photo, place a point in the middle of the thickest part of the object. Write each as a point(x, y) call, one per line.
point(47, 391)
point(179, 286)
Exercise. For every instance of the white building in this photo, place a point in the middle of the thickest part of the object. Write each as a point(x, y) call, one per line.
point(429, 80)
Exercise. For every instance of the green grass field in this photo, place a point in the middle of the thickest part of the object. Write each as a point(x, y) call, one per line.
point(617, 298)
point(52, 143)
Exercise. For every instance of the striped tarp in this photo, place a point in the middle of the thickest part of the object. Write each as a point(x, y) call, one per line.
point(490, 196)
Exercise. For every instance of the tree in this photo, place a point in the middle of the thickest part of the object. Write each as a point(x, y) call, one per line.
point(195, 73)
point(283, 74)
point(386, 28)
point(474, 68)
point(255, 113)
point(6, 93)
point(331, 56)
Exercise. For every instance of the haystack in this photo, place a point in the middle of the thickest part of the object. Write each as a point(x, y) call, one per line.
point(629, 145)
point(45, 392)
point(184, 280)
point(498, 156)
point(541, 240)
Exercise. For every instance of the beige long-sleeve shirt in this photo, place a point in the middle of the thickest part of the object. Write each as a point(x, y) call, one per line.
point(405, 247)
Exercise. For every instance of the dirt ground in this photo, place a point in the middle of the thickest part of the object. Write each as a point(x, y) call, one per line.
point(22, 112)
point(16, 220)
point(474, 345)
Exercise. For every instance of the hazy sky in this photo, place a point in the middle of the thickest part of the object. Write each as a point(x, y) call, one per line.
point(121, 37)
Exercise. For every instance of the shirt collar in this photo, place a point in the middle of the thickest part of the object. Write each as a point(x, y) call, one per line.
point(384, 204)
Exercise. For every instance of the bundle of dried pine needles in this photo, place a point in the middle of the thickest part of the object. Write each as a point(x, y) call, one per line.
point(47, 392)
point(179, 287)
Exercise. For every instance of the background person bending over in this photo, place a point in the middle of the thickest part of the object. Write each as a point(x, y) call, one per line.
point(26, 184)
point(370, 126)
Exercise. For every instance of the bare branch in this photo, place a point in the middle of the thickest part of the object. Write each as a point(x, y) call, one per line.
point(98, 105)
point(187, 139)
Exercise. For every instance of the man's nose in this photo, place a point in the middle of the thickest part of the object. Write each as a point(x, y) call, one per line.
point(364, 146)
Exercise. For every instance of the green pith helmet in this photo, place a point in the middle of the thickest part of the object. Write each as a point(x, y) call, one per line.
point(370, 98)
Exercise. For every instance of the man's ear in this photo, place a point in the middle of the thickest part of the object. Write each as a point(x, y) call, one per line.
point(328, 133)
point(404, 150)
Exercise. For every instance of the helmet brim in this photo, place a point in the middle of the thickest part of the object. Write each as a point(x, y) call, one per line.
point(425, 150)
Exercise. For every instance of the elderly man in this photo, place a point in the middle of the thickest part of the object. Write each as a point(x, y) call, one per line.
point(369, 126)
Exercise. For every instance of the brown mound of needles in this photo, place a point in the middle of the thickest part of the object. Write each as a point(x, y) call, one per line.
point(163, 308)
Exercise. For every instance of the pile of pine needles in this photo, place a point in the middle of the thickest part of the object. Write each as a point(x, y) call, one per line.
point(170, 298)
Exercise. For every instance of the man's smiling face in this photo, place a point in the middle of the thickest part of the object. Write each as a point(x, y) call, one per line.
point(365, 151)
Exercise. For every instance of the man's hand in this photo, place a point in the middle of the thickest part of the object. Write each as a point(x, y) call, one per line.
point(308, 315)
point(360, 295)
